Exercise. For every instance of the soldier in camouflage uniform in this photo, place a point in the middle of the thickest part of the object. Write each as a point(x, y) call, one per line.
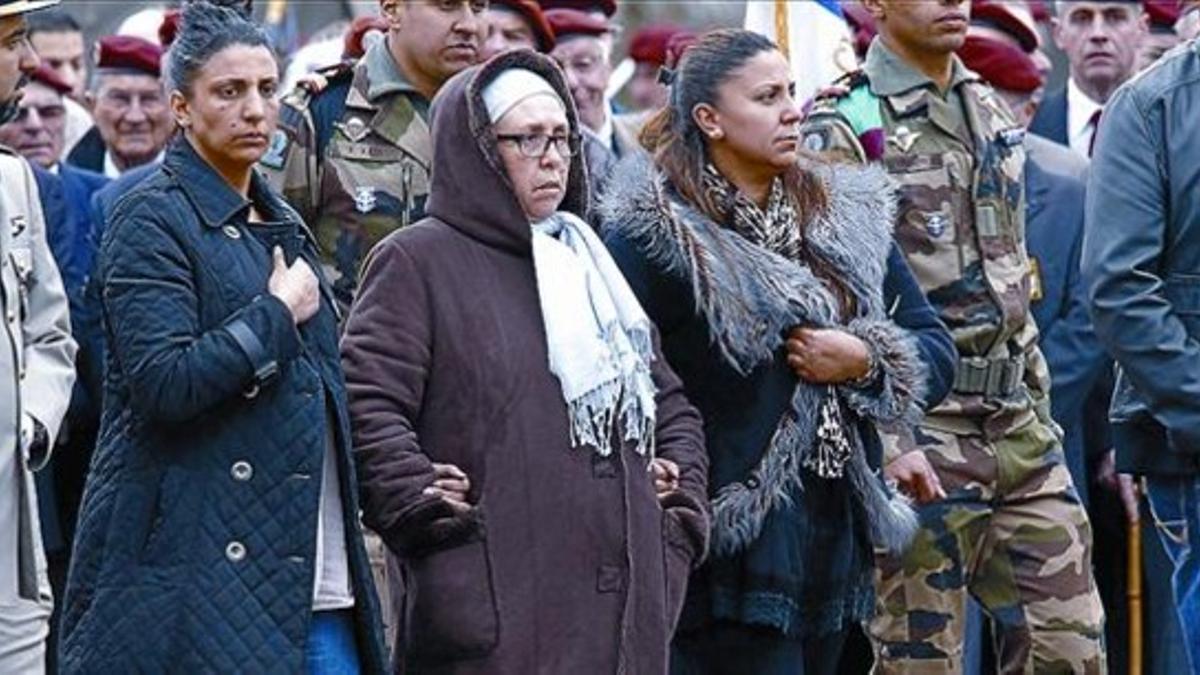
point(354, 159)
point(1010, 530)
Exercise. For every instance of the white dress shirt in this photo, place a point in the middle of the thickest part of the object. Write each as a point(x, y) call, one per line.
point(1080, 109)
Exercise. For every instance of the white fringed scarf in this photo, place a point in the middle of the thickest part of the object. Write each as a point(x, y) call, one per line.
point(598, 336)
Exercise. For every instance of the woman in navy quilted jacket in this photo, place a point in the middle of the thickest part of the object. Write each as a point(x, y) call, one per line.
point(219, 530)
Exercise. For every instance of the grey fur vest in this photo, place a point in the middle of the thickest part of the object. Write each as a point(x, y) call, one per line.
point(750, 297)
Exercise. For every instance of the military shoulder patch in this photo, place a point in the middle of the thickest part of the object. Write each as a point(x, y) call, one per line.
point(816, 139)
point(276, 154)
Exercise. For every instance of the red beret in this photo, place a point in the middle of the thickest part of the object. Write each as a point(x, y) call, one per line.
point(1040, 10)
point(862, 25)
point(1000, 65)
point(126, 52)
point(1009, 18)
point(574, 22)
point(46, 76)
point(677, 45)
point(169, 27)
point(609, 7)
point(532, 12)
point(352, 45)
point(1162, 14)
point(649, 44)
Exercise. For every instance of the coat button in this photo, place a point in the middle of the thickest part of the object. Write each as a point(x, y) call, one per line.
point(752, 482)
point(235, 551)
point(251, 392)
point(241, 470)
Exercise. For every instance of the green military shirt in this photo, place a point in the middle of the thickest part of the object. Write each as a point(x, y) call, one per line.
point(957, 159)
point(354, 160)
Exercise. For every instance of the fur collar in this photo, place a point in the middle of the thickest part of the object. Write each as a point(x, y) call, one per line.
point(751, 296)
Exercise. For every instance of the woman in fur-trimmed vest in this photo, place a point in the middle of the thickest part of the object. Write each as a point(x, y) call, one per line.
point(796, 328)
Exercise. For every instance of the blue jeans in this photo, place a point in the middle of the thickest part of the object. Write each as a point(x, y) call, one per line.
point(1175, 503)
point(331, 648)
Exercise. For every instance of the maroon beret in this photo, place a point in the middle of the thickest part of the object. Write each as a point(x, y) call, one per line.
point(352, 45)
point(609, 7)
point(1011, 19)
point(1040, 10)
point(47, 76)
point(862, 25)
point(169, 27)
point(649, 44)
point(566, 22)
point(1162, 14)
point(126, 52)
point(1000, 65)
point(677, 45)
point(532, 12)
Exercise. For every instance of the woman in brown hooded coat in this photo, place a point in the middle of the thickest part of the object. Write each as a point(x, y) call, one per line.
point(539, 527)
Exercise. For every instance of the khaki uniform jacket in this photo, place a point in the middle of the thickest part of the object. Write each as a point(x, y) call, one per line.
point(36, 373)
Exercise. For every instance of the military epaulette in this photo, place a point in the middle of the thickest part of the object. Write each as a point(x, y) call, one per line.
point(320, 80)
point(850, 100)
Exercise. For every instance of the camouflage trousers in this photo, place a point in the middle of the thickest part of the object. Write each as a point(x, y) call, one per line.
point(1013, 534)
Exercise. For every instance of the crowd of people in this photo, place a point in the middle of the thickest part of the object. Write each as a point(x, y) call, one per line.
point(446, 355)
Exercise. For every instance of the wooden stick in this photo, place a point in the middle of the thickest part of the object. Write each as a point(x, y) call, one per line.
point(1134, 584)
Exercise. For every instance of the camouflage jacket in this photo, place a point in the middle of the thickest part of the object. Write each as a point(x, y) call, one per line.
point(958, 163)
point(353, 160)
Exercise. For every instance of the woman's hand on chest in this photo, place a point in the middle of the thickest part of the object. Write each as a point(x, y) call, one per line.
point(826, 356)
point(296, 285)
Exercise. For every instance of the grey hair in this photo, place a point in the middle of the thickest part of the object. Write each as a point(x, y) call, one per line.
point(1061, 6)
point(207, 28)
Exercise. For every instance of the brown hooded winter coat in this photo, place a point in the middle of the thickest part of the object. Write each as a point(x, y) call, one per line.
point(568, 562)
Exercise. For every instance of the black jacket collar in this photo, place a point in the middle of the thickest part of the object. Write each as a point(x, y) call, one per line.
point(214, 200)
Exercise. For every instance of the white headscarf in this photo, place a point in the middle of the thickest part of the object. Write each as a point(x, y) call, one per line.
point(598, 335)
point(511, 87)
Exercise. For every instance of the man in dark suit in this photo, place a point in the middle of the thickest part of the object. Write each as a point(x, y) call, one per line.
point(583, 47)
point(1101, 39)
point(133, 120)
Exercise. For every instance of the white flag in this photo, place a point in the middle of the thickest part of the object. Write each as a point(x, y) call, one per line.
point(817, 42)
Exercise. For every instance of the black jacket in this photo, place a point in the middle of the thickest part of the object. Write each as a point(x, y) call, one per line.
point(88, 153)
point(1141, 262)
point(197, 536)
point(808, 571)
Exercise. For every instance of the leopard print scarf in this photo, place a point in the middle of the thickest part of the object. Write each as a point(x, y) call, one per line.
point(777, 229)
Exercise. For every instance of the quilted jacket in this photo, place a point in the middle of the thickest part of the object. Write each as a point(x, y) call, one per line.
point(196, 540)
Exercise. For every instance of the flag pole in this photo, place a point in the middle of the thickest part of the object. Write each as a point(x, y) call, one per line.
point(781, 28)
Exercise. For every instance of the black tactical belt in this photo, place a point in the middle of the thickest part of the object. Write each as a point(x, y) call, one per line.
point(999, 377)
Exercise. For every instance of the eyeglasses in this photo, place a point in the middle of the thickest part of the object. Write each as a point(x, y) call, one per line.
point(535, 146)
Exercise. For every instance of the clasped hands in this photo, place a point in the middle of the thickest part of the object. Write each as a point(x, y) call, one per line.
point(452, 485)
